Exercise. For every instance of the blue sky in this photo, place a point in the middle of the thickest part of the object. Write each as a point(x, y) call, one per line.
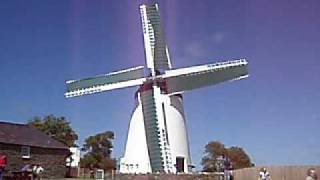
point(274, 114)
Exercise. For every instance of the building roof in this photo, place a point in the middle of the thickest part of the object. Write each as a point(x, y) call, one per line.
point(22, 134)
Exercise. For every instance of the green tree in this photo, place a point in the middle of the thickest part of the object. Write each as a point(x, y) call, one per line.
point(238, 157)
point(215, 149)
point(57, 128)
point(98, 150)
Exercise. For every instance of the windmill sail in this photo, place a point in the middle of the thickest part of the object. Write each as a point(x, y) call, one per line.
point(156, 51)
point(155, 129)
point(184, 79)
point(115, 80)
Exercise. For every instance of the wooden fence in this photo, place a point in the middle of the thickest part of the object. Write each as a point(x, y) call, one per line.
point(276, 172)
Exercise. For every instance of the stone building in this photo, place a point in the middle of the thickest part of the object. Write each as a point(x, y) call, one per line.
point(24, 145)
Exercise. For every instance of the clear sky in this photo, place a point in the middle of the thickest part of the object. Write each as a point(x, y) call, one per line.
point(274, 114)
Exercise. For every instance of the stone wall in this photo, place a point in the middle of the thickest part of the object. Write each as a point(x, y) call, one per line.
point(276, 172)
point(52, 160)
point(168, 177)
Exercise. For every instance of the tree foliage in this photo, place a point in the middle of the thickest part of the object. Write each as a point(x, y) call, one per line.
point(215, 149)
point(57, 128)
point(98, 149)
point(238, 157)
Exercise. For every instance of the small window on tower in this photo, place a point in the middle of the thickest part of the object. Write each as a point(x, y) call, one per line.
point(25, 152)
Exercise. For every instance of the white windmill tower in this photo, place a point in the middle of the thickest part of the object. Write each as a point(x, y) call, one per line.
point(157, 138)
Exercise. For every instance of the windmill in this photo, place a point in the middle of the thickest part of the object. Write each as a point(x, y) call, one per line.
point(157, 138)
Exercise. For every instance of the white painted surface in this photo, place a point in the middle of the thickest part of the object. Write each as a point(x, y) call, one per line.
point(75, 157)
point(136, 158)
